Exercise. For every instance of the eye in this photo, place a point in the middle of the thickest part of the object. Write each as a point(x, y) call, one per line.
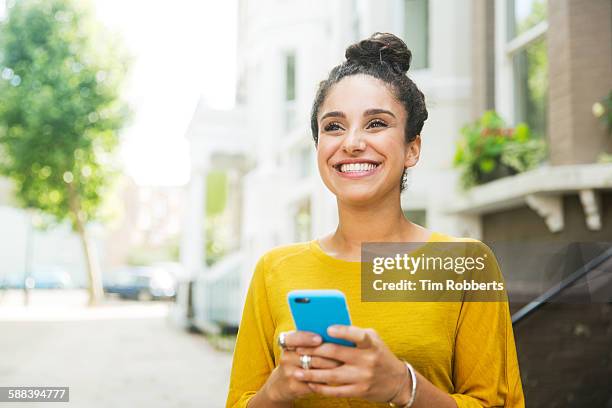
point(332, 126)
point(376, 123)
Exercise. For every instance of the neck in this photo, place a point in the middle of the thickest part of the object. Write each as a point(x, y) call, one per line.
point(383, 221)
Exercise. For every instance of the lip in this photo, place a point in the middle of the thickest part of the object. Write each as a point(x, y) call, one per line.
point(357, 174)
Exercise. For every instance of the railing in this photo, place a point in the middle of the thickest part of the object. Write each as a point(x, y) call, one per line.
point(557, 289)
point(216, 295)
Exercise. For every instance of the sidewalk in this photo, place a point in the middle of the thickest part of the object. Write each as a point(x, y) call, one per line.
point(120, 354)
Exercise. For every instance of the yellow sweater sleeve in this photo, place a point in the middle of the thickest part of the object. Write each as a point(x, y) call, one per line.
point(253, 355)
point(485, 366)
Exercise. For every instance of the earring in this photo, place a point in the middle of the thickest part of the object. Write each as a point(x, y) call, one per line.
point(404, 182)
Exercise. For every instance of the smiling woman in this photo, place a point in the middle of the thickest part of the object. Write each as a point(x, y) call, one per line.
point(366, 123)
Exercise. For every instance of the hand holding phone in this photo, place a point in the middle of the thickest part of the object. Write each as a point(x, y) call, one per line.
point(316, 310)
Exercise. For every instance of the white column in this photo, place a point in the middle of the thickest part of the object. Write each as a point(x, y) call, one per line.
point(192, 245)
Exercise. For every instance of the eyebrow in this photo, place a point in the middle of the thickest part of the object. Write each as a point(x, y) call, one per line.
point(334, 114)
point(369, 112)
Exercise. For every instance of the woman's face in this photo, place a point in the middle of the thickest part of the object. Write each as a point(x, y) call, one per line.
point(362, 152)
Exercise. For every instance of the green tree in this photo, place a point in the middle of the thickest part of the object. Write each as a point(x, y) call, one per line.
point(60, 113)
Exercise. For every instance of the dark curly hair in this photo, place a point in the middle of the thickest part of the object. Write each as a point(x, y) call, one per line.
point(386, 57)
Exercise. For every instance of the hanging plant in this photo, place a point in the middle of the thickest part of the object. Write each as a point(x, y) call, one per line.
point(488, 150)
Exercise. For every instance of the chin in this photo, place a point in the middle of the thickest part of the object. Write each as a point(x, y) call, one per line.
point(356, 195)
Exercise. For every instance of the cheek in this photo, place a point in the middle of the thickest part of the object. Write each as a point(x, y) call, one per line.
point(325, 150)
point(392, 147)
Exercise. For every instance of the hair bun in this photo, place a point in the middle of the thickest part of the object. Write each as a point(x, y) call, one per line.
point(381, 47)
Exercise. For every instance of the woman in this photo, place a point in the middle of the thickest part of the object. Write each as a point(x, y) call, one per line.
point(366, 123)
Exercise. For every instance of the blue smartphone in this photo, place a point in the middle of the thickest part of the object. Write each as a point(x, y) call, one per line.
point(316, 310)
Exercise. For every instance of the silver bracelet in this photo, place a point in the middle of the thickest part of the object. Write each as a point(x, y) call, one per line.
point(414, 387)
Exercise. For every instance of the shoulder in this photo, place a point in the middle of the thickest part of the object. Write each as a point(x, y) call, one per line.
point(277, 256)
point(442, 237)
point(472, 243)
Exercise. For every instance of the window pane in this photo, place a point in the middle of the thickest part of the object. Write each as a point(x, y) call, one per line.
point(531, 73)
point(290, 77)
point(416, 31)
point(525, 14)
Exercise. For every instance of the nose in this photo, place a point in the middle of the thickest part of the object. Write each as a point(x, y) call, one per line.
point(353, 142)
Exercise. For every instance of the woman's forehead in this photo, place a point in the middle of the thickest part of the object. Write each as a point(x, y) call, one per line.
point(358, 93)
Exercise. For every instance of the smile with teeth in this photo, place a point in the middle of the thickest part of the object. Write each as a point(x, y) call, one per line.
point(356, 167)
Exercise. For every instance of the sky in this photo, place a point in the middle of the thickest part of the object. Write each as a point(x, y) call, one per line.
point(182, 50)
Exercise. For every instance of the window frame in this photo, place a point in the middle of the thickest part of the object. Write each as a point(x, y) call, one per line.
point(289, 106)
point(400, 23)
point(506, 48)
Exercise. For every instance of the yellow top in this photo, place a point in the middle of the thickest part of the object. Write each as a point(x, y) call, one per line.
point(466, 349)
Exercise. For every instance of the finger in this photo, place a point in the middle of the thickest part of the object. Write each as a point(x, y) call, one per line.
point(340, 375)
point(341, 391)
point(363, 338)
point(324, 363)
point(293, 358)
point(295, 339)
point(332, 351)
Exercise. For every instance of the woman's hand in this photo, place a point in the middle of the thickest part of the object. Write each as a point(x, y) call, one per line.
point(369, 371)
point(284, 384)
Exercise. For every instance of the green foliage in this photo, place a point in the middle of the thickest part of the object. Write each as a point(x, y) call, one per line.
point(487, 146)
point(603, 111)
point(531, 70)
point(60, 108)
point(604, 158)
point(217, 238)
point(218, 227)
point(537, 14)
point(216, 192)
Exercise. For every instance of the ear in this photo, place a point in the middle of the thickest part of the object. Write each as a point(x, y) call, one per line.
point(412, 152)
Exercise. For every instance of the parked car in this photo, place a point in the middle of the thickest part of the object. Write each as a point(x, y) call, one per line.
point(41, 277)
point(141, 283)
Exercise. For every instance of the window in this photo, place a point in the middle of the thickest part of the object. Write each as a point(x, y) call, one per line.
point(416, 31)
point(525, 14)
point(290, 77)
point(290, 91)
point(526, 46)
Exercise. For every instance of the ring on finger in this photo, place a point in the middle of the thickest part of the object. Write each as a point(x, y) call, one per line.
point(282, 340)
point(305, 360)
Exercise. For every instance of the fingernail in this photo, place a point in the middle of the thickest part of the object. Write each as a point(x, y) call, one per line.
point(316, 338)
point(331, 330)
point(299, 374)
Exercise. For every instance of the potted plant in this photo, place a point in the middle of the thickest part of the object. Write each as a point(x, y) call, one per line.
point(489, 150)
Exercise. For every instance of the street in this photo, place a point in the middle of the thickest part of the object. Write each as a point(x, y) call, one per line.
point(120, 354)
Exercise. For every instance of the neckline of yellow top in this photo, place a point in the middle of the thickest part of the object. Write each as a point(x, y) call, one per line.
point(315, 247)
